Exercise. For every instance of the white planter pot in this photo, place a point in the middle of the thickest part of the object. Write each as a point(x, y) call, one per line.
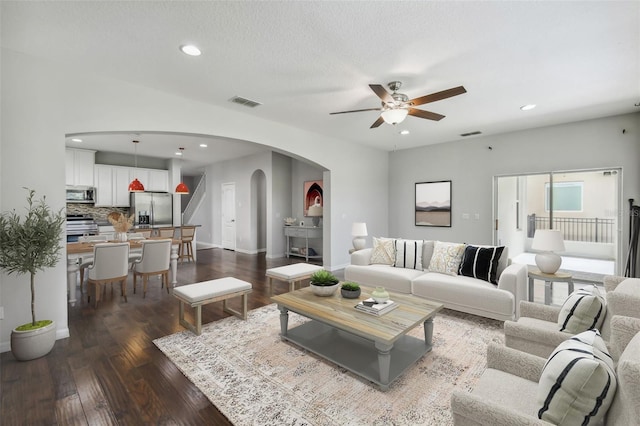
point(323, 290)
point(32, 344)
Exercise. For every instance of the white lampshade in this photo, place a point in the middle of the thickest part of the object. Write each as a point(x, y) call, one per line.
point(394, 115)
point(359, 229)
point(359, 232)
point(548, 241)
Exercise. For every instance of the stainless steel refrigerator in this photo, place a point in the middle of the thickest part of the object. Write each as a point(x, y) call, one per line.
point(151, 208)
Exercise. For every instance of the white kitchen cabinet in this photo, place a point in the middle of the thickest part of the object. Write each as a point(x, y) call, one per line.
point(158, 181)
point(103, 177)
point(121, 181)
point(79, 164)
point(112, 183)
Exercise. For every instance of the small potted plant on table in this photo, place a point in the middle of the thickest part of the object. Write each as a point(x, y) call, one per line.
point(27, 247)
point(323, 283)
point(350, 290)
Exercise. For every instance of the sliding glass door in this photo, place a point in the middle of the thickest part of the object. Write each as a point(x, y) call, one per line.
point(584, 205)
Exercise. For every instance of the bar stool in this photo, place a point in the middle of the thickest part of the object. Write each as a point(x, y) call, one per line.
point(166, 232)
point(185, 250)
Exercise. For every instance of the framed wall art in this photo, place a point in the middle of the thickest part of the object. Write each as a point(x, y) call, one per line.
point(312, 195)
point(433, 203)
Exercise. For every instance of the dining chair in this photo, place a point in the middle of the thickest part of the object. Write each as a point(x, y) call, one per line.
point(166, 232)
point(85, 262)
point(146, 233)
point(155, 260)
point(110, 264)
point(185, 250)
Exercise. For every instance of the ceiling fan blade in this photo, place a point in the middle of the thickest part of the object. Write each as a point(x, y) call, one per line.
point(377, 123)
point(425, 114)
point(382, 93)
point(438, 96)
point(355, 110)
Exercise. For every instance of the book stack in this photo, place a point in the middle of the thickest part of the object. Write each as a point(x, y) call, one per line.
point(369, 306)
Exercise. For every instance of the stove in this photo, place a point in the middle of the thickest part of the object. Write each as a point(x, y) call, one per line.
point(79, 225)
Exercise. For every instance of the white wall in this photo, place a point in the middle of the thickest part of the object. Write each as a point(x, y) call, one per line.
point(471, 165)
point(42, 101)
point(33, 156)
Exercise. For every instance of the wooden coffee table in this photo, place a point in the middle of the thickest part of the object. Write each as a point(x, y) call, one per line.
point(374, 347)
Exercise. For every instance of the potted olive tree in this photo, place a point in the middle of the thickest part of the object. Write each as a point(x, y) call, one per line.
point(28, 246)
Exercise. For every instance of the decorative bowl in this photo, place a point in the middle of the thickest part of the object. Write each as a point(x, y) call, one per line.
point(323, 290)
point(290, 221)
point(350, 294)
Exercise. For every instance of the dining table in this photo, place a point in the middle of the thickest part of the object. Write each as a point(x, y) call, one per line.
point(76, 251)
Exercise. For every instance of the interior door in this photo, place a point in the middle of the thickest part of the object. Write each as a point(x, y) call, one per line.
point(229, 216)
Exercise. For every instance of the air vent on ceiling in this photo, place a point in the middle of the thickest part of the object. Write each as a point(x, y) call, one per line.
point(471, 133)
point(243, 101)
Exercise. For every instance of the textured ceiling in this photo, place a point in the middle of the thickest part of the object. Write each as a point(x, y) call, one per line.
point(302, 60)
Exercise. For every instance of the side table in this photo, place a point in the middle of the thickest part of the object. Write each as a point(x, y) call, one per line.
point(549, 279)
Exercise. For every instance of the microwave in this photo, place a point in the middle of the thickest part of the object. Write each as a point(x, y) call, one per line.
point(81, 195)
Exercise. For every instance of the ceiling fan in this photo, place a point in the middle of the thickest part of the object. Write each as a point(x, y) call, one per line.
point(396, 106)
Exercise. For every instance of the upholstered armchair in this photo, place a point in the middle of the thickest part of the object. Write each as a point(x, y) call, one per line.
point(537, 331)
point(508, 390)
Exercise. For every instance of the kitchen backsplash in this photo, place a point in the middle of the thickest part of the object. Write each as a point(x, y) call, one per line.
point(99, 214)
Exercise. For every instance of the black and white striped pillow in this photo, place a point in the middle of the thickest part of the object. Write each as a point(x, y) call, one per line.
point(481, 262)
point(583, 310)
point(408, 254)
point(578, 382)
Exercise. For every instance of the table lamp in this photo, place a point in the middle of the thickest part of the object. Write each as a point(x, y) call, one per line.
point(315, 212)
point(548, 241)
point(359, 232)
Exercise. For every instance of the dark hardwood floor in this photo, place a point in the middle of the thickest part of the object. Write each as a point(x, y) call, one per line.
point(110, 372)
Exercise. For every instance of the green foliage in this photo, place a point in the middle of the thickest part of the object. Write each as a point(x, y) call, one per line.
point(323, 278)
point(350, 286)
point(33, 244)
point(30, 326)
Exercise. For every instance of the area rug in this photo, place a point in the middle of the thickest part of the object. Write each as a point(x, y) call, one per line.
point(254, 378)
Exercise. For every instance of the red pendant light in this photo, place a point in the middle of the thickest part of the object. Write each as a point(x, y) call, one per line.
point(136, 185)
point(181, 188)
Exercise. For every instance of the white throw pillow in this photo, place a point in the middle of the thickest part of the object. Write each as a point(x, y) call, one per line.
point(408, 254)
point(583, 310)
point(384, 251)
point(578, 382)
point(446, 258)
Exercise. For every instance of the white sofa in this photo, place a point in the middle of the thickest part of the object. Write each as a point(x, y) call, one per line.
point(457, 292)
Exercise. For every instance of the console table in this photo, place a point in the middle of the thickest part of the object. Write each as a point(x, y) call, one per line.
point(306, 232)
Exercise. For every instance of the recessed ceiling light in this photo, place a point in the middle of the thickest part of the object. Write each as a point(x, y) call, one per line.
point(190, 49)
point(203, 145)
point(179, 153)
point(528, 107)
point(404, 132)
point(76, 140)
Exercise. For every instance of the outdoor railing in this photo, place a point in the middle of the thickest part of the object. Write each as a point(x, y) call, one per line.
point(588, 229)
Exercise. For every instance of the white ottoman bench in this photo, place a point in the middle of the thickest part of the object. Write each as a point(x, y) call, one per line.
point(203, 293)
point(291, 273)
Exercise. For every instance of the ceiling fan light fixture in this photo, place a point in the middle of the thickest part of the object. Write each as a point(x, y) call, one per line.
point(394, 115)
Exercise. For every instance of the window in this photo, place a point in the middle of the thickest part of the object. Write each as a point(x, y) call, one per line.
point(567, 196)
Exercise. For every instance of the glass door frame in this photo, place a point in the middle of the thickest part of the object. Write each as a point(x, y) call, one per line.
point(521, 206)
